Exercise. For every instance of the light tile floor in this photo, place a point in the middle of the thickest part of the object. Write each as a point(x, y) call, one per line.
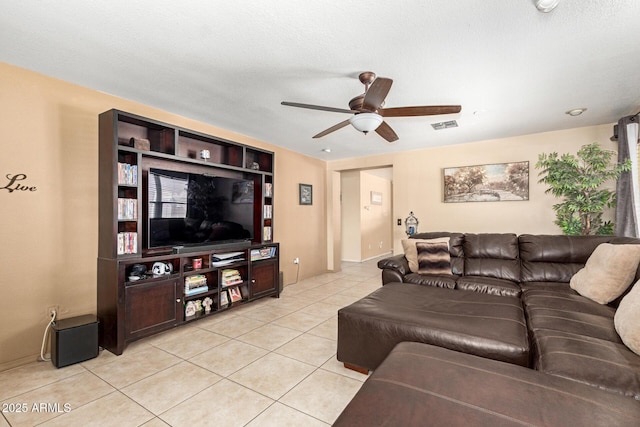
point(268, 363)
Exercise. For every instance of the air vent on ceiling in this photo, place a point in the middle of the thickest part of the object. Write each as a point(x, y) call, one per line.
point(445, 125)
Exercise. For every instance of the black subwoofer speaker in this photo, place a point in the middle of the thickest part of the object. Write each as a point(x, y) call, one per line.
point(74, 340)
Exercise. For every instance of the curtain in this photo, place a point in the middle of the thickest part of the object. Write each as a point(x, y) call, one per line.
point(627, 191)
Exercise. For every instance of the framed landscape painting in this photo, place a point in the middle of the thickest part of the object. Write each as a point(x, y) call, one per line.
point(487, 183)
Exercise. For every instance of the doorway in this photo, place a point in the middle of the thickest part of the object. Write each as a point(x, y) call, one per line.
point(366, 213)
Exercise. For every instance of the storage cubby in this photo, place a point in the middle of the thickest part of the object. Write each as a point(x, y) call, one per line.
point(133, 301)
point(161, 139)
point(259, 160)
point(191, 145)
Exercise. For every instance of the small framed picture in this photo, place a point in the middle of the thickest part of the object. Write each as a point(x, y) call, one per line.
point(224, 300)
point(234, 294)
point(306, 194)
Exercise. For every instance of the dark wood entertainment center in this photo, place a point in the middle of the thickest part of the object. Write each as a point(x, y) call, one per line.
point(132, 305)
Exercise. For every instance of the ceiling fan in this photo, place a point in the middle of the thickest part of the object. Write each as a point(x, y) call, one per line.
point(368, 111)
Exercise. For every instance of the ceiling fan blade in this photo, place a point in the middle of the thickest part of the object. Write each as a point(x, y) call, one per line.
point(385, 131)
point(376, 93)
point(318, 107)
point(431, 110)
point(332, 129)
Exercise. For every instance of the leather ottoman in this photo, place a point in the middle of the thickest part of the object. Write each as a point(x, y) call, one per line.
point(420, 384)
point(480, 324)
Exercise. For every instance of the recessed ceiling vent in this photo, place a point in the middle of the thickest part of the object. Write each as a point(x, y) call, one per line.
point(445, 125)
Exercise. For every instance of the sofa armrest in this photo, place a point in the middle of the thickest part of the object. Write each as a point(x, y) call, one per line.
point(394, 269)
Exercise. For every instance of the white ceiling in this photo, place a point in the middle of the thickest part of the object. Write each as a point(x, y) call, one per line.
point(513, 69)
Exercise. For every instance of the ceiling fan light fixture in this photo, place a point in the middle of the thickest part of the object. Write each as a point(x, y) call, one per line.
point(366, 122)
point(546, 6)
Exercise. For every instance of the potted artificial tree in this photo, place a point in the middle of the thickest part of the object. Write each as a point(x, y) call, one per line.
point(579, 182)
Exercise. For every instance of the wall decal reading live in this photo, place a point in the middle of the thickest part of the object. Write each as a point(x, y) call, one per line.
point(15, 183)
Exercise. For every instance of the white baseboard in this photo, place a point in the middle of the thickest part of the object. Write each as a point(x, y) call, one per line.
point(370, 258)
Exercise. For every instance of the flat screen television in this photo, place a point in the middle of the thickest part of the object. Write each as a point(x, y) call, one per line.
point(190, 209)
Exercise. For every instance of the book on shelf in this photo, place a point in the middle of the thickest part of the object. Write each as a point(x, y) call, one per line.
point(127, 174)
point(127, 243)
point(266, 233)
point(267, 211)
point(268, 189)
point(231, 277)
point(196, 291)
point(195, 282)
point(127, 209)
point(263, 253)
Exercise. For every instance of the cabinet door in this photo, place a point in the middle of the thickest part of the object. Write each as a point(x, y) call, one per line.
point(264, 278)
point(151, 307)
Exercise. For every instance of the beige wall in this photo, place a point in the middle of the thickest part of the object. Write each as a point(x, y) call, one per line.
point(417, 183)
point(351, 216)
point(49, 131)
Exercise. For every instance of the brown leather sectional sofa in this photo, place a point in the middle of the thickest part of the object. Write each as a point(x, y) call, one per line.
point(509, 300)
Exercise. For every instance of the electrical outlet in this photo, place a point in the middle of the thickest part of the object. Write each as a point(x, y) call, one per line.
point(296, 260)
point(51, 309)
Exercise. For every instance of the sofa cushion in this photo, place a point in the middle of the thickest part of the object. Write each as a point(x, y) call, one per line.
point(627, 319)
point(565, 302)
point(548, 258)
point(589, 325)
point(559, 287)
point(411, 251)
point(436, 280)
point(433, 258)
point(492, 255)
point(480, 324)
point(599, 363)
point(489, 285)
point(609, 271)
point(420, 384)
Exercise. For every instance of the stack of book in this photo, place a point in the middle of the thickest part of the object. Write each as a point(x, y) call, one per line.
point(268, 190)
point(127, 174)
point(195, 284)
point(263, 253)
point(127, 243)
point(266, 234)
point(231, 277)
point(267, 211)
point(127, 209)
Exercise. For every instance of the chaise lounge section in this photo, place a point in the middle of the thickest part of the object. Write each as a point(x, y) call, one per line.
point(508, 298)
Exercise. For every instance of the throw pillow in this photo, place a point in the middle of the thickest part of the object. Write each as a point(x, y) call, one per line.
point(411, 253)
point(627, 319)
point(433, 258)
point(608, 272)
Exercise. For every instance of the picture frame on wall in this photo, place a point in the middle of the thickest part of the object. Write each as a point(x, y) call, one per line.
point(306, 194)
point(497, 182)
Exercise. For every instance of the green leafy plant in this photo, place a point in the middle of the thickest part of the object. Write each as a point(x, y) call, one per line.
point(578, 181)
